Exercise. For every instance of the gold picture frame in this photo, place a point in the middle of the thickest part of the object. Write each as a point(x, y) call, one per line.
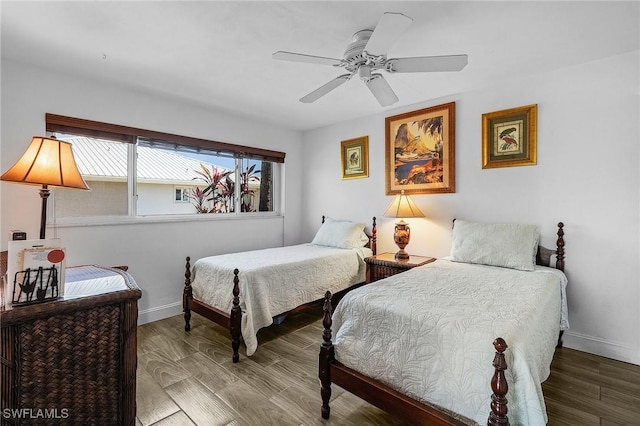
point(420, 151)
point(509, 137)
point(354, 154)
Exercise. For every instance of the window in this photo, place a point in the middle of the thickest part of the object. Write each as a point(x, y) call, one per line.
point(182, 194)
point(135, 172)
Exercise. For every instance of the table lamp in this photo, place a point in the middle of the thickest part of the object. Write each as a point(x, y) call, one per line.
point(402, 207)
point(46, 162)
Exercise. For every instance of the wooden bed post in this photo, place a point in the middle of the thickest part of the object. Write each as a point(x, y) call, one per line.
point(187, 294)
point(236, 318)
point(560, 247)
point(498, 415)
point(374, 240)
point(326, 357)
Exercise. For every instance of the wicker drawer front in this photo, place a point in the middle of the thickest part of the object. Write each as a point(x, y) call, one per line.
point(71, 362)
point(384, 265)
point(380, 272)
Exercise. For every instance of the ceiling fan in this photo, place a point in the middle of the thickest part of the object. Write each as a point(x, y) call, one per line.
point(367, 53)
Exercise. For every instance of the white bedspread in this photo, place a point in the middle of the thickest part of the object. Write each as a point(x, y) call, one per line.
point(275, 280)
point(428, 333)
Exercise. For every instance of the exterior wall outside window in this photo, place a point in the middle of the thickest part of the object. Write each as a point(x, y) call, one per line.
point(104, 198)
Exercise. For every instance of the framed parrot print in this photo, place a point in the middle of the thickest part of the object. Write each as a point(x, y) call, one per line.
point(420, 151)
point(509, 137)
point(355, 158)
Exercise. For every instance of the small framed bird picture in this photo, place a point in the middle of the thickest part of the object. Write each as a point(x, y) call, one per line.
point(509, 137)
point(355, 158)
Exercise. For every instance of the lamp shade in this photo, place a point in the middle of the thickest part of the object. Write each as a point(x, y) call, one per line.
point(403, 206)
point(47, 161)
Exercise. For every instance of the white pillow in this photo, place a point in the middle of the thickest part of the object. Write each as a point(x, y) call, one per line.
point(340, 233)
point(535, 246)
point(497, 244)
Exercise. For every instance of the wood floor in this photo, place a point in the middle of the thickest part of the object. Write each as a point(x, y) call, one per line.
point(188, 379)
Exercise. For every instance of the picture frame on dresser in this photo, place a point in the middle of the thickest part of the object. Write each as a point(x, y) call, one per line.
point(509, 137)
point(420, 151)
point(35, 272)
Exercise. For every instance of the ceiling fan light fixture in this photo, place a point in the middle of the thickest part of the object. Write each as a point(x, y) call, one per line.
point(367, 52)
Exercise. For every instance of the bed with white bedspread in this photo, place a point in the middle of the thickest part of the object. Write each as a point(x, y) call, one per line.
point(276, 280)
point(453, 336)
point(249, 290)
point(425, 334)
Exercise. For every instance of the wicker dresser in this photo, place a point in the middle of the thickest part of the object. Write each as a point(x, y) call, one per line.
point(73, 360)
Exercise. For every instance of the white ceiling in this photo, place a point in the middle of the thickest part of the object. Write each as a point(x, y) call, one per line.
point(218, 53)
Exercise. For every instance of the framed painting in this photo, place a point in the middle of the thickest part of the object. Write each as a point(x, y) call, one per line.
point(509, 137)
point(355, 158)
point(420, 151)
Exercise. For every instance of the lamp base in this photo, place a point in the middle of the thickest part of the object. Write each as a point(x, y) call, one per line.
point(402, 255)
point(401, 236)
point(44, 194)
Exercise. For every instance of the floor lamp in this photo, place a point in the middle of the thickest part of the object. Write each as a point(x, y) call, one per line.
point(46, 162)
point(402, 207)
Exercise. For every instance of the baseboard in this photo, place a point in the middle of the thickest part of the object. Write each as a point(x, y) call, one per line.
point(602, 347)
point(159, 312)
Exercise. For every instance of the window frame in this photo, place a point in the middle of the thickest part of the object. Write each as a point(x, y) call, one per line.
point(82, 127)
point(184, 194)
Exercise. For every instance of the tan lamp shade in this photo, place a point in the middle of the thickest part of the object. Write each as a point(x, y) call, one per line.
point(401, 207)
point(47, 161)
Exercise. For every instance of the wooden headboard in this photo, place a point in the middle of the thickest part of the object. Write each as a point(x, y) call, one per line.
point(372, 244)
point(3, 262)
point(543, 257)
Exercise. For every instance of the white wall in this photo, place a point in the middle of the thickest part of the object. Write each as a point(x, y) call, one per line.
point(587, 176)
point(155, 252)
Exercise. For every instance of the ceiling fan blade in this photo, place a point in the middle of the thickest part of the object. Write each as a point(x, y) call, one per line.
point(299, 57)
point(389, 28)
point(323, 90)
point(381, 90)
point(427, 63)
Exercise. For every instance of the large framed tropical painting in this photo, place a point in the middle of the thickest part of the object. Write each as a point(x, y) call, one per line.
point(420, 151)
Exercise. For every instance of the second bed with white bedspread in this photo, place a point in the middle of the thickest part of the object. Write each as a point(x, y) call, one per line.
point(427, 333)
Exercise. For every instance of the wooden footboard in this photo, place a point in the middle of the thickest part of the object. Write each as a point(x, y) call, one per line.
point(231, 320)
point(392, 401)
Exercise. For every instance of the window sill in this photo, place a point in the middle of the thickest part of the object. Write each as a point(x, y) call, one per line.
point(126, 220)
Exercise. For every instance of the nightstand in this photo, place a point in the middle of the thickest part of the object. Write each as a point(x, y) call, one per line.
point(385, 264)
